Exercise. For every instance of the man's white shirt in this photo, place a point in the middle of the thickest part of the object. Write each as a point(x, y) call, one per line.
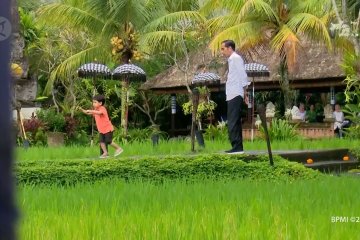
point(236, 78)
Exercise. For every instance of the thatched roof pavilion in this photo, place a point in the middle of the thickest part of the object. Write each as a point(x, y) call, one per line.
point(316, 68)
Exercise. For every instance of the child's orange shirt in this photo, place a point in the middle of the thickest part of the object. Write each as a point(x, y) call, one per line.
point(103, 122)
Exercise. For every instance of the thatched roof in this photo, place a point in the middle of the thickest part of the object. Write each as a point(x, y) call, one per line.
point(316, 67)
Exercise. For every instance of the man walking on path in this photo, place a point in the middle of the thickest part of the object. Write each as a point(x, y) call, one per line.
point(236, 93)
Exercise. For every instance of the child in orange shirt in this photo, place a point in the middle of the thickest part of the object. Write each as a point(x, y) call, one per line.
point(103, 125)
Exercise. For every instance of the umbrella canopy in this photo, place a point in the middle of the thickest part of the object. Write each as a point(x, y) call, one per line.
point(206, 79)
point(129, 71)
point(94, 70)
point(257, 70)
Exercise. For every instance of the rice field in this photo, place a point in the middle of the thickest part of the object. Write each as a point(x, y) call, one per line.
point(236, 209)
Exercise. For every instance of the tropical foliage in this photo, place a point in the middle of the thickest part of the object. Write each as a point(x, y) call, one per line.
point(282, 26)
point(281, 130)
point(62, 35)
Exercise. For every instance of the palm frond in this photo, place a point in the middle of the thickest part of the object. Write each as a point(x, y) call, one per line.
point(259, 7)
point(286, 43)
point(68, 68)
point(179, 5)
point(208, 7)
point(221, 22)
point(169, 21)
point(317, 8)
point(244, 34)
point(328, 17)
point(311, 26)
point(130, 11)
point(66, 15)
point(160, 40)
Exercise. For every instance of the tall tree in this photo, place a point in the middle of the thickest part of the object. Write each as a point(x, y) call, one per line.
point(347, 26)
point(279, 24)
point(104, 22)
point(101, 20)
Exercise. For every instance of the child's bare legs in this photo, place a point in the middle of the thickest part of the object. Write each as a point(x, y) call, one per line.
point(114, 145)
point(103, 148)
point(118, 151)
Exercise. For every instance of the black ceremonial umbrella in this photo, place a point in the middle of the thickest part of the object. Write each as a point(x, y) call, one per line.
point(255, 70)
point(129, 72)
point(206, 79)
point(126, 73)
point(94, 70)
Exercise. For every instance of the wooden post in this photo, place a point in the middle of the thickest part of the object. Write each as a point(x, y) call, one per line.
point(195, 102)
point(261, 110)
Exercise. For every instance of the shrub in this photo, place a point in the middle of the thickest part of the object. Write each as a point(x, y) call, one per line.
point(53, 121)
point(353, 111)
point(79, 138)
point(157, 169)
point(219, 132)
point(281, 130)
point(34, 129)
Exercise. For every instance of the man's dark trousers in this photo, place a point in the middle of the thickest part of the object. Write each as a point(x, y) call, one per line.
point(234, 123)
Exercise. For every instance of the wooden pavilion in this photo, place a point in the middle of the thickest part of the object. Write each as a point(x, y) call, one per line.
point(317, 69)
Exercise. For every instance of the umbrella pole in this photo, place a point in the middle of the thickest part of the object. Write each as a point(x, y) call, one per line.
point(127, 108)
point(92, 119)
point(253, 106)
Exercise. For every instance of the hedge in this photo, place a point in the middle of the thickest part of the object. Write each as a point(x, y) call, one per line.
point(68, 172)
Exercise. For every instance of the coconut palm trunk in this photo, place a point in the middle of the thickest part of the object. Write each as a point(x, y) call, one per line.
point(285, 84)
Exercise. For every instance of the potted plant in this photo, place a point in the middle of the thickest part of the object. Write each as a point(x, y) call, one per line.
point(54, 124)
point(205, 109)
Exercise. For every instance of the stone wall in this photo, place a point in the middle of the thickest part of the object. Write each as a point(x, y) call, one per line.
point(25, 86)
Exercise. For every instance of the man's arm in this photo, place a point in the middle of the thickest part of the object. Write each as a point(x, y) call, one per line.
point(240, 66)
point(246, 97)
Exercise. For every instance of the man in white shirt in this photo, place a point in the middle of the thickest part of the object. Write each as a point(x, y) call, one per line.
point(236, 85)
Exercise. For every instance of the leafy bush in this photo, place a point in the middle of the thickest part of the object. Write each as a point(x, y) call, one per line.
point(218, 132)
point(53, 121)
point(351, 67)
point(34, 129)
point(139, 135)
point(281, 130)
point(79, 138)
point(352, 111)
point(158, 169)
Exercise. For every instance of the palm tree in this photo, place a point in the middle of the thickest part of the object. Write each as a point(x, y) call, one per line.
point(279, 24)
point(180, 30)
point(102, 21)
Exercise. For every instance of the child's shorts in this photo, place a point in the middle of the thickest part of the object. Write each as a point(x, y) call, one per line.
point(106, 137)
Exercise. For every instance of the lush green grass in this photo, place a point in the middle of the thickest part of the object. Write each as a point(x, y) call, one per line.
point(191, 210)
point(176, 147)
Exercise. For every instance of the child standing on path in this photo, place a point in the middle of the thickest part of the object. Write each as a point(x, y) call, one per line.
point(103, 125)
